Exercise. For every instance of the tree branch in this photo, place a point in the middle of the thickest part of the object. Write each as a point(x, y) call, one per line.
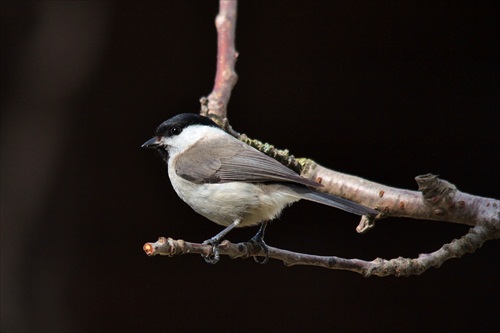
point(378, 267)
point(436, 199)
point(225, 77)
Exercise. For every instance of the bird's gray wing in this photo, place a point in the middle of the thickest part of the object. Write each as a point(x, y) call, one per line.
point(225, 161)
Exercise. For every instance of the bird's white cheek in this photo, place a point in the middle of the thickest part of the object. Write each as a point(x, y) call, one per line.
point(190, 136)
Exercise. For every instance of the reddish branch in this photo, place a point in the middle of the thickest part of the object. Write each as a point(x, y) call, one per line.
point(436, 199)
point(225, 76)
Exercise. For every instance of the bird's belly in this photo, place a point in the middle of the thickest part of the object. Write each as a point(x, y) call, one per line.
point(224, 203)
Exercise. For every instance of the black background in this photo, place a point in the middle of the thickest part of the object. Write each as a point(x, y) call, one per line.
point(382, 90)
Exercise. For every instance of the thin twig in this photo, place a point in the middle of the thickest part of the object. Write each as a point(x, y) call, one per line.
point(378, 267)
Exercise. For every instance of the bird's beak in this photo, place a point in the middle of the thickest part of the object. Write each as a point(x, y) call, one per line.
point(152, 143)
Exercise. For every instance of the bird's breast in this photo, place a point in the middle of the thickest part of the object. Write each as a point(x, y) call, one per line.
point(223, 203)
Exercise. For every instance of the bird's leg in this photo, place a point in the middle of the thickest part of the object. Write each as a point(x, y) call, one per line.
point(259, 239)
point(214, 241)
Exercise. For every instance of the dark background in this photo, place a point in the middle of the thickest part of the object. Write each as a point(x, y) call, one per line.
point(383, 91)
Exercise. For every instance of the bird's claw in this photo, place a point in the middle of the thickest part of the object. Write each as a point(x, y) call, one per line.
point(259, 240)
point(264, 247)
point(214, 257)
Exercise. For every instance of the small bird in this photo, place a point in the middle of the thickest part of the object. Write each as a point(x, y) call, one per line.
point(231, 183)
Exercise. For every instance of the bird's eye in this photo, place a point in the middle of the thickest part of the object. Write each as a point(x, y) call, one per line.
point(175, 130)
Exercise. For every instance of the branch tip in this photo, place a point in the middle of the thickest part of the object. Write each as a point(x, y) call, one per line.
point(365, 224)
point(148, 248)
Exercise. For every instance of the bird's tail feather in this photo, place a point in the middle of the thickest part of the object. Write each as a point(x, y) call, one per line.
point(334, 201)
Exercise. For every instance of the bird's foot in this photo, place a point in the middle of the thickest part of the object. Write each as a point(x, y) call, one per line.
point(214, 257)
point(215, 241)
point(259, 240)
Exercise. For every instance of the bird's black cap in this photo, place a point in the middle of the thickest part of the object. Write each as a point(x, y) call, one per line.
point(181, 121)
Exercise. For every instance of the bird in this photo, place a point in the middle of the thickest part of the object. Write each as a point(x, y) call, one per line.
point(231, 183)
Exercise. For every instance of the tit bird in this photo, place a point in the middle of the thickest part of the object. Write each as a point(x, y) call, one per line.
point(229, 182)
